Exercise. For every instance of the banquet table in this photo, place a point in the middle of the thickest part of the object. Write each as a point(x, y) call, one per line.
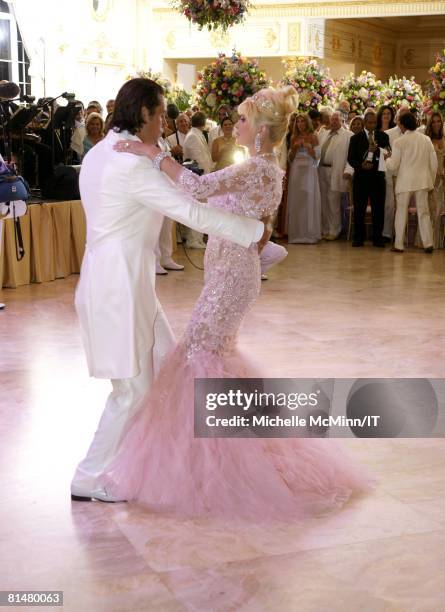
point(54, 241)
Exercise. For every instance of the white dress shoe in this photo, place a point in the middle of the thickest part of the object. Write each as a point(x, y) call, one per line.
point(100, 494)
point(160, 269)
point(2, 306)
point(264, 277)
point(172, 265)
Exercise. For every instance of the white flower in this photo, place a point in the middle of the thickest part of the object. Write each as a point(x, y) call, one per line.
point(363, 93)
point(211, 100)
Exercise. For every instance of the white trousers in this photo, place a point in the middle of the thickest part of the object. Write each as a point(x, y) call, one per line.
point(125, 400)
point(330, 204)
point(271, 254)
point(164, 248)
point(423, 217)
point(388, 225)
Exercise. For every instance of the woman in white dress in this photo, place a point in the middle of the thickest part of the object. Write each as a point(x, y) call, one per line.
point(303, 196)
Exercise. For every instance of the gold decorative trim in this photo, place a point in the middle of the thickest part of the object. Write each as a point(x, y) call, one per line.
point(294, 37)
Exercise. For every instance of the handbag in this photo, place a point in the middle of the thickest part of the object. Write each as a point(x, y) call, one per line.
point(12, 189)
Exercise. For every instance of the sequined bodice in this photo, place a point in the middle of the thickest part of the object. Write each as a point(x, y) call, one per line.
point(232, 273)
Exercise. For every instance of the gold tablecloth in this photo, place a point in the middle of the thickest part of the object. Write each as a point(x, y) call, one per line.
point(54, 240)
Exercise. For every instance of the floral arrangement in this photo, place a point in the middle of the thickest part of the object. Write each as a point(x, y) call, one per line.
point(180, 97)
point(173, 93)
point(228, 80)
point(313, 83)
point(165, 83)
point(213, 14)
point(436, 90)
point(361, 91)
point(404, 92)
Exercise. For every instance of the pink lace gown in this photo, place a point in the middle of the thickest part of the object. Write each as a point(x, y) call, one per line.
point(160, 463)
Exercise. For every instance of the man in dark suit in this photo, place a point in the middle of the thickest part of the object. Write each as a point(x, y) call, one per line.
point(368, 183)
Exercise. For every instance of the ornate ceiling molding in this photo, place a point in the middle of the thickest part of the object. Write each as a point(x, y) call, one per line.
point(331, 9)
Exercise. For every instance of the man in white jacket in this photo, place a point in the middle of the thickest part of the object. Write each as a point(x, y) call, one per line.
point(414, 161)
point(334, 143)
point(196, 148)
point(124, 330)
point(393, 134)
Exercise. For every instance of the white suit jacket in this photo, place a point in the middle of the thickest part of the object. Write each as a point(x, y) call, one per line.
point(414, 161)
point(195, 147)
point(393, 134)
point(125, 200)
point(339, 147)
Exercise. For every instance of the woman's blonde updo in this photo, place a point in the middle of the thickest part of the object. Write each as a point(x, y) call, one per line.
point(271, 108)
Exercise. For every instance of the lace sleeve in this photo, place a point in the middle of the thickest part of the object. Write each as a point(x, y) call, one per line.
point(229, 179)
point(258, 181)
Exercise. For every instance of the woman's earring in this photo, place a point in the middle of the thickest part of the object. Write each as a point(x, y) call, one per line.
point(258, 142)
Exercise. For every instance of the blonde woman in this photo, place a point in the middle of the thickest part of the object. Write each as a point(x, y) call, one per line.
point(160, 463)
point(303, 190)
point(94, 126)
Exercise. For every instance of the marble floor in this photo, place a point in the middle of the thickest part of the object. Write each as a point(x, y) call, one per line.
point(327, 311)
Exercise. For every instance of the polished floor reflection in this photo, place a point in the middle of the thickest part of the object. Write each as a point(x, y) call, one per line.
point(327, 311)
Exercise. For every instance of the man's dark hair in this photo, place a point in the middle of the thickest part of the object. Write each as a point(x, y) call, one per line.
point(198, 120)
point(132, 96)
point(408, 121)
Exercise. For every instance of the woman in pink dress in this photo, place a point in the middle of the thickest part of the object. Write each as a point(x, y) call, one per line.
point(160, 463)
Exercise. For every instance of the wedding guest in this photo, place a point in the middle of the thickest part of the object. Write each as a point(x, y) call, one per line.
point(395, 132)
point(303, 195)
point(344, 108)
point(79, 133)
point(216, 132)
point(369, 180)
point(333, 155)
point(315, 117)
point(94, 126)
point(414, 160)
point(326, 113)
point(352, 114)
point(94, 107)
point(356, 125)
point(195, 147)
point(435, 131)
point(110, 108)
point(164, 246)
point(224, 148)
point(385, 118)
point(390, 178)
point(282, 216)
point(386, 121)
point(176, 140)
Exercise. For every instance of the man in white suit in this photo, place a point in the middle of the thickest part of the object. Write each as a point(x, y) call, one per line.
point(334, 143)
point(195, 147)
point(124, 330)
point(393, 134)
point(414, 161)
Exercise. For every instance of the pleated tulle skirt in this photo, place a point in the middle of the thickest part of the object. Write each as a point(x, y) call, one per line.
point(161, 465)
